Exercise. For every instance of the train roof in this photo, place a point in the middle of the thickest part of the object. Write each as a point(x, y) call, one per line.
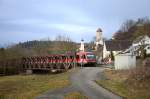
point(85, 53)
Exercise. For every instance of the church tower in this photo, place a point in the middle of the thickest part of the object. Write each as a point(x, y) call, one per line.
point(99, 46)
point(99, 39)
point(99, 36)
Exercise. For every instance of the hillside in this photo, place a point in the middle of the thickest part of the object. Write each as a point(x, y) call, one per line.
point(33, 48)
point(131, 29)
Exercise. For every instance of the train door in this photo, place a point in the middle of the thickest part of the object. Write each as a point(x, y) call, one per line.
point(77, 59)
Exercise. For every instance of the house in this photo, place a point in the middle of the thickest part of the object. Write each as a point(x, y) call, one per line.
point(124, 50)
point(141, 40)
point(114, 47)
point(137, 43)
point(117, 49)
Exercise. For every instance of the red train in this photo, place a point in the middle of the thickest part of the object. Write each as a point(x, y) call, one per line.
point(59, 62)
point(86, 58)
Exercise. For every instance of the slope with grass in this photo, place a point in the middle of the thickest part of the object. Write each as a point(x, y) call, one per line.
point(29, 86)
point(75, 95)
point(121, 83)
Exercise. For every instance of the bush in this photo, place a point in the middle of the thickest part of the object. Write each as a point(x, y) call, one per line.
point(140, 74)
point(112, 56)
point(140, 77)
point(10, 67)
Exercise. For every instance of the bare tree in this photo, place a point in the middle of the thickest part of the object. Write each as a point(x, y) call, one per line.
point(63, 44)
point(127, 25)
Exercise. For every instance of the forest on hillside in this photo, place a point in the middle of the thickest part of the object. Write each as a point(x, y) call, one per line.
point(131, 29)
point(61, 44)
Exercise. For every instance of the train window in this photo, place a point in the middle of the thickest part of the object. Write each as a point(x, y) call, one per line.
point(63, 57)
point(71, 57)
point(90, 56)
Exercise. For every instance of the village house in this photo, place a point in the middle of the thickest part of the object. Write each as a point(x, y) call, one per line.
point(124, 52)
point(113, 47)
point(141, 40)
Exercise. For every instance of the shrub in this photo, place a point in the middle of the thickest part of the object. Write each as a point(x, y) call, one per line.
point(139, 77)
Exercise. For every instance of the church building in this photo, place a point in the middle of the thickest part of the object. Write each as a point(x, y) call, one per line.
point(99, 46)
point(105, 49)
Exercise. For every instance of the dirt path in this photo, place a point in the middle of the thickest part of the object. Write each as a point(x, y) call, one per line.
point(83, 81)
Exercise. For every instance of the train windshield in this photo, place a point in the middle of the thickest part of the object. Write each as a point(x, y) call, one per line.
point(91, 56)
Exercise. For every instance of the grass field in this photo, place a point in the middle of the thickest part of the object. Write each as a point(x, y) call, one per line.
point(75, 95)
point(116, 81)
point(29, 86)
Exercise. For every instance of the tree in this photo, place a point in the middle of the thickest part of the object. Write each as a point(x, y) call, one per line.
point(112, 56)
point(127, 25)
point(142, 50)
point(2, 54)
point(130, 29)
point(63, 44)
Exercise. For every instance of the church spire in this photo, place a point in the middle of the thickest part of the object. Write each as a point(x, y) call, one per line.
point(82, 45)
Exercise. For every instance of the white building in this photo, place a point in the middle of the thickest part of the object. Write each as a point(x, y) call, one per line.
point(125, 61)
point(141, 40)
point(82, 46)
point(99, 39)
point(115, 47)
point(122, 60)
point(99, 46)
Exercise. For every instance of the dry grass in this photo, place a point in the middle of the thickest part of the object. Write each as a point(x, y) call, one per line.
point(27, 87)
point(75, 95)
point(120, 75)
point(120, 83)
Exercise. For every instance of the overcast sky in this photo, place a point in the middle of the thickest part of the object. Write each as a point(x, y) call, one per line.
point(22, 20)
